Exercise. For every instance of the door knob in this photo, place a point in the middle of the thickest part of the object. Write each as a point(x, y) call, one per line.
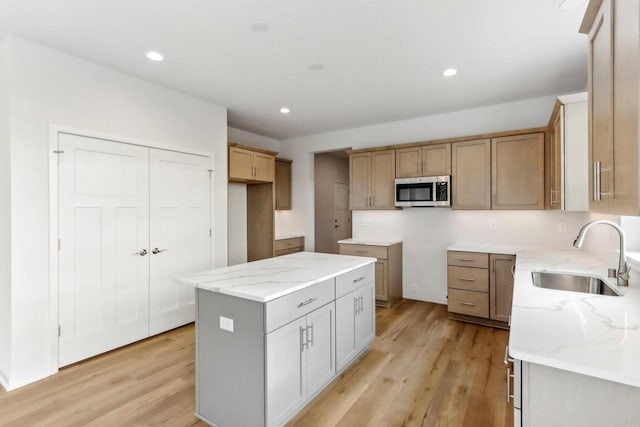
point(336, 226)
point(156, 251)
point(141, 253)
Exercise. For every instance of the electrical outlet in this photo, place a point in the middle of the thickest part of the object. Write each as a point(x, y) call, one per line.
point(226, 324)
point(493, 224)
point(562, 227)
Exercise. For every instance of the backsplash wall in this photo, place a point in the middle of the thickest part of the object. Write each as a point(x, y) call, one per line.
point(426, 233)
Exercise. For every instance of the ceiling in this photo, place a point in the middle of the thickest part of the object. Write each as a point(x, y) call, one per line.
point(382, 58)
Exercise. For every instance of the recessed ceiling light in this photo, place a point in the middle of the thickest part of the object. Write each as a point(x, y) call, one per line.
point(571, 4)
point(285, 110)
point(259, 26)
point(155, 56)
point(449, 72)
point(316, 66)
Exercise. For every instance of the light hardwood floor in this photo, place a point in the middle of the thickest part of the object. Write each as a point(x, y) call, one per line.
point(421, 370)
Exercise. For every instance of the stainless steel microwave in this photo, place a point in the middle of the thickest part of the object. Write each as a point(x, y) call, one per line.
point(423, 191)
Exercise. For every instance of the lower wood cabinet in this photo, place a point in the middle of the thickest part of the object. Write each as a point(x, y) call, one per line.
point(388, 287)
point(480, 287)
point(288, 246)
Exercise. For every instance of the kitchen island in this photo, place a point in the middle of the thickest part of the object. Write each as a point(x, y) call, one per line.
point(271, 334)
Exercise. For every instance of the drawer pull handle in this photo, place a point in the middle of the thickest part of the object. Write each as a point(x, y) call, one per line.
point(362, 252)
point(289, 244)
point(468, 303)
point(359, 279)
point(307, 302)
point(466, 259)
point(467, 279)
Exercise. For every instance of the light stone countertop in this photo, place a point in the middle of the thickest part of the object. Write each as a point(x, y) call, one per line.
point(594, 335)
point(273, 278)
point(368, 242)
point(484, 248)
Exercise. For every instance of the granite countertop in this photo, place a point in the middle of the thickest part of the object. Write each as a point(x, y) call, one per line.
point(594, 335)
point(368, 242)
point(273, 278)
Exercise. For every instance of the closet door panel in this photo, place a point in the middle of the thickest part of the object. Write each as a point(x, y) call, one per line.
point(180, 241)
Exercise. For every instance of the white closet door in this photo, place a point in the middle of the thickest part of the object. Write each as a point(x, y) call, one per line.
point(180, 212)
point(103, 227)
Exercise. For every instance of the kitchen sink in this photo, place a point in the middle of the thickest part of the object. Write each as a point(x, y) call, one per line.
point(572, 282)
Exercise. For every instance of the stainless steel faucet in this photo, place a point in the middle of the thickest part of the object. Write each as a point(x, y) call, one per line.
point(623, 267)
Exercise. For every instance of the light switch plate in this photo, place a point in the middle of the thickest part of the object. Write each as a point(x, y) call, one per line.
point(226, 324)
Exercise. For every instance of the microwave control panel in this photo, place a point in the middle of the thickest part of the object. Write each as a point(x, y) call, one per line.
point(442, 192)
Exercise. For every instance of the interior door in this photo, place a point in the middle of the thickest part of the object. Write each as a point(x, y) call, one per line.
point(341, 214)
point(103, 256)
point(180, 234)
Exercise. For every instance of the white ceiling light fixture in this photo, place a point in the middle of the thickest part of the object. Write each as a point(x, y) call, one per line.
point(449, 72)
point(571, 4)
point(259, 26)
point(155, 56)
point(285, 110)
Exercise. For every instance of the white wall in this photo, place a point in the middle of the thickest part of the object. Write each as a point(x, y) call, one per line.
point(427, 232)
point(49, 87)
point(5, 221)
point(238, 196)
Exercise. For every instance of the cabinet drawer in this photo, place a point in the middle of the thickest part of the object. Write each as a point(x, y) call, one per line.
point(288, 251)
point(294, 242)
point(468, 259)
point(290, 307)
point(471, 279)
point(379, 252)
point(470, 303)
point(355, 279)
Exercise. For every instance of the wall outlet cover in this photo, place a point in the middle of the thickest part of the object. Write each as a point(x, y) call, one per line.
point(493, 224)
point(226, 324)
point(562, 227)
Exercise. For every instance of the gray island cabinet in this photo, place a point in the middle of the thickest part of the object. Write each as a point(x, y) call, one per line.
point(271, 334)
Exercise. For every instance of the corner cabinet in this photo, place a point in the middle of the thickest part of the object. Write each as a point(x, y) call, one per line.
point(283, 184)
point(372, 180)
point(251, 165)
point(517, 172)
point(613, 28)
point(480, 287)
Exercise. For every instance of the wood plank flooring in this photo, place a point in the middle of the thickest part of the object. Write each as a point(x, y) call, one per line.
point(421, 370)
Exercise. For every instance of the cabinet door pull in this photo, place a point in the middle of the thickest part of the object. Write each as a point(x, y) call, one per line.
point(307, 302)
point(310, 338)
point(513, 270)
point(507, 359)
point(359, 279)
point(509, 376)
point(355, 306)
point(467, 303)
point(303, 341)
point(467, 279)
point(361, 303)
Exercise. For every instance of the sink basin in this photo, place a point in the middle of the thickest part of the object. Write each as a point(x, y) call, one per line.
point(572, 282)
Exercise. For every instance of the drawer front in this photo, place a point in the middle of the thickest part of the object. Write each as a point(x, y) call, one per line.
point(379, 252)
point(468, 259)
point(295, 242)
point(355, 279)
point(469, 302)
point(288, 251)
point(290, 307)
point(471, 279)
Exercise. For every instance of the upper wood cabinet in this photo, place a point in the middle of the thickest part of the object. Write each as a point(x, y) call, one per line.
point(283, 184)
point(428, 160)
point(471, 174)
point(250, 165)
point(371, 180)
point(614, 73)
point(517, 172)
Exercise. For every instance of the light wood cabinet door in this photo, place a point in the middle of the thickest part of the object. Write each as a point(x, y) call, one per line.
point(517, 165)
point(240, 163)
point(264, 167)
point(501, 286)
point(283, 185)
point(601, 106)
point(382, 277)
point(359, 180)
point(383, 172)
point(471, 174)
point(408, 162)
point(436, 160)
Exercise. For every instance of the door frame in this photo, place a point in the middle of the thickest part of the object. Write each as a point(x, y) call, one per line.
point(333, 206)
point(54, 132)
